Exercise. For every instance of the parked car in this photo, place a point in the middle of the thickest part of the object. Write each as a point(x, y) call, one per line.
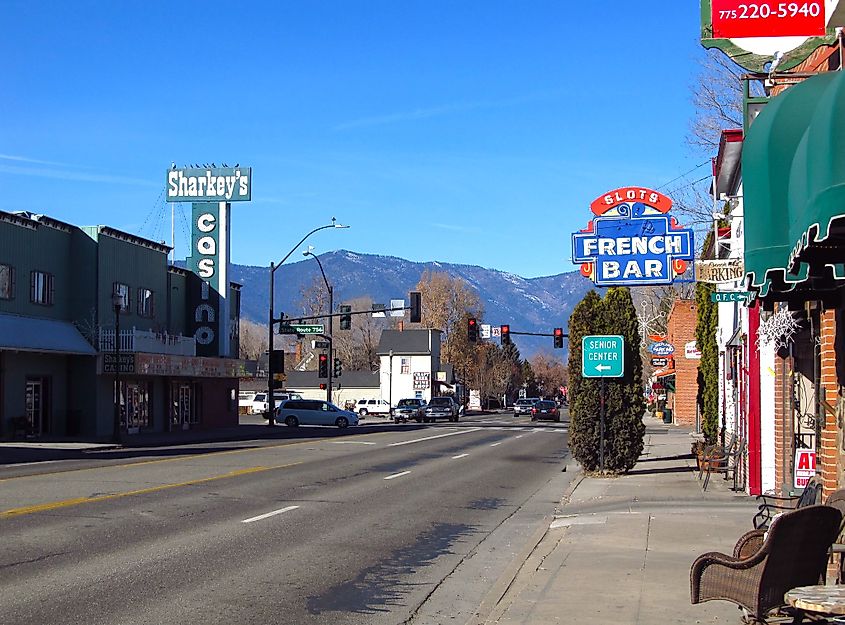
point(523, 405)
point(407, 409)
point(296, 412)
point(259, 402)
point(372, 406)
point(440, 408)
point(545, 409)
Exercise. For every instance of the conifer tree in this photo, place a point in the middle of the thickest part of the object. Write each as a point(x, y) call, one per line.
point(708, 368)
point(583, 392)
point(625, 404)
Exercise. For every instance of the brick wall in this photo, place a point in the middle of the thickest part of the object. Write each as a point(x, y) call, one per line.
point(783, 426)
point(680, 331)
point(828, 461)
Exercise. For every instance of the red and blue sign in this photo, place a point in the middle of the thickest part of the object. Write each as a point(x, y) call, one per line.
point(633, 241)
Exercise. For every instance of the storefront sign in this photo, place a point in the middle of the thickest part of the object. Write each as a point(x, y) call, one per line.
point(188, 366)
point(126, 362)
point(721, 297)
point(805, 466)
point(659, 362)
point(691, 351)
point(755, 33)
point(661, 349)
point(719, 271)
point(767, 18)
point(422, 380)
point(632, 240)
point(215, 184)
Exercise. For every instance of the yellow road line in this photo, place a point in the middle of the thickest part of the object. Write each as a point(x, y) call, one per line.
point(66, 503)
point(187, 456)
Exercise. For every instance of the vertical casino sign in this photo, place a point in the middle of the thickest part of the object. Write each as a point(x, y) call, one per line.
point(632, 240)
point(210, 192)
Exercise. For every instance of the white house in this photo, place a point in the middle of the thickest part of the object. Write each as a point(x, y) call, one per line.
point(410, 365)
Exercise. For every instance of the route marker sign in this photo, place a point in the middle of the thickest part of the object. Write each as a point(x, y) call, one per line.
point(602, 356)
point(313, 328)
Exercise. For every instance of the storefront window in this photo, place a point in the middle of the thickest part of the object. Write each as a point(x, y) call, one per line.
point(405, 365)
point(183, 402)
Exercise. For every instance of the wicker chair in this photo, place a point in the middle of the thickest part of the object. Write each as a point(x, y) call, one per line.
point(770, 505)
point(794, 553)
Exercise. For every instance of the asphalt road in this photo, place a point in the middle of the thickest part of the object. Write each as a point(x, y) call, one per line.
point(401, 524)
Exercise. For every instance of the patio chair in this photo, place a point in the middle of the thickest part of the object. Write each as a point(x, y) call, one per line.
point(712, 452)
point(793, 553)
point(770, 505)
point(725, 460)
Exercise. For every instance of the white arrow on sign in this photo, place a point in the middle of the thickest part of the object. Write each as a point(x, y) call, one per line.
point(602, 368)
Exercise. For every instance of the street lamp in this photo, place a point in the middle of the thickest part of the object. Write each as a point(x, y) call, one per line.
point(117, 304)
point(271, 401)
point(329, 288)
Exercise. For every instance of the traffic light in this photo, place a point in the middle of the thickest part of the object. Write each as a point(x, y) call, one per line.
point(345, 318)
point(506, 335)
point(323, 386)
point(558, 333)
point(338, 368)
point(277, 359)
point(416, 307)
point(323, 366)
point(472, 329)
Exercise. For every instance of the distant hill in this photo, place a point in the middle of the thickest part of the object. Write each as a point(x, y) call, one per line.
point(527, 304)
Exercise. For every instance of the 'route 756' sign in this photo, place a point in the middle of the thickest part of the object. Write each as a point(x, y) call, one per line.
point(632, 240)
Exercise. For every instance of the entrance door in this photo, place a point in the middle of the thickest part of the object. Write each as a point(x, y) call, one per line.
point(183, 409)
point(36, 405)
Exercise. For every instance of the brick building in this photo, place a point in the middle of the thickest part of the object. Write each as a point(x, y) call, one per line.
point(681, 335)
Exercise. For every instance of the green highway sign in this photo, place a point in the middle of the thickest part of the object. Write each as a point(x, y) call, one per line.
point(602, 356)
point(314, 328)
point(730, 296)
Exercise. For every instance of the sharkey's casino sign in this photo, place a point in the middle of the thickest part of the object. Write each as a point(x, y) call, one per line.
point(632, 240)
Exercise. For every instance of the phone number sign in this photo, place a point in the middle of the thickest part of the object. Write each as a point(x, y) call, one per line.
point(735, 19)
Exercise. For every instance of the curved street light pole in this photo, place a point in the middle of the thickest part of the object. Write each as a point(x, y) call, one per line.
point(271, 400)
point(330, 290)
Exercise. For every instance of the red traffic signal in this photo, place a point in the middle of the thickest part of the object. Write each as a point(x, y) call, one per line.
point(558, 337)
point(323, 366)
point(506, 334)
point(472, 329)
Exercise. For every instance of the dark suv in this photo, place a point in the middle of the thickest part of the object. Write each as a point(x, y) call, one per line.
point(441, 408)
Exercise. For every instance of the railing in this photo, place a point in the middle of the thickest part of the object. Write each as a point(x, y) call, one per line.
point(135, 340)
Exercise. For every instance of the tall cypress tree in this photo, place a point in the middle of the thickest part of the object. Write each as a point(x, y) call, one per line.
point(583, 392)
point(625, 404)
point(707, 319)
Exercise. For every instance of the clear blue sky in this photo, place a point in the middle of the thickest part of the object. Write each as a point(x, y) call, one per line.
point(468, 132)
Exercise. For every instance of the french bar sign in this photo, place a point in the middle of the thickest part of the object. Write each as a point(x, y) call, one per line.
point(719, 271)
point(214, 184)
point(632, 240)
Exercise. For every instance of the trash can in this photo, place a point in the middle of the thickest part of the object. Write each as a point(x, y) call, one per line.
point(667, 415)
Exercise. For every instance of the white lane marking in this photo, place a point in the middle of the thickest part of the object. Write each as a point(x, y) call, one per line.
point(395, 475)
point(429, 438)
point(261, 517)
point(352, 443)
point(496, 444)
point(520, 436)
point(459, 456)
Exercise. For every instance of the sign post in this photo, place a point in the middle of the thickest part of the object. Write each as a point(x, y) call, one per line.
point(602, 356)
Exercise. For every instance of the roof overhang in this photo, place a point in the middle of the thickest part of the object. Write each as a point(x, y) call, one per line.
point(31, 334)
point(727, 166)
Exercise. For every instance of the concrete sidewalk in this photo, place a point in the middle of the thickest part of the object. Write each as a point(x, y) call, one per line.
point(619, 549)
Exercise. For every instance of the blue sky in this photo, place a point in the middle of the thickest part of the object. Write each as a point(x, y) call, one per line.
point(466, 132)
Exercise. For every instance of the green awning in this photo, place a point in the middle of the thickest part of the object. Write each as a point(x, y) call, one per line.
point(794, 192)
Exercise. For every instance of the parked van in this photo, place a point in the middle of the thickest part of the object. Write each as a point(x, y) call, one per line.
point(296, 412)
point(259, 402)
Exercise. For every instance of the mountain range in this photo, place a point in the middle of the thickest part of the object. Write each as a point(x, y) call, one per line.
point(526, 304)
